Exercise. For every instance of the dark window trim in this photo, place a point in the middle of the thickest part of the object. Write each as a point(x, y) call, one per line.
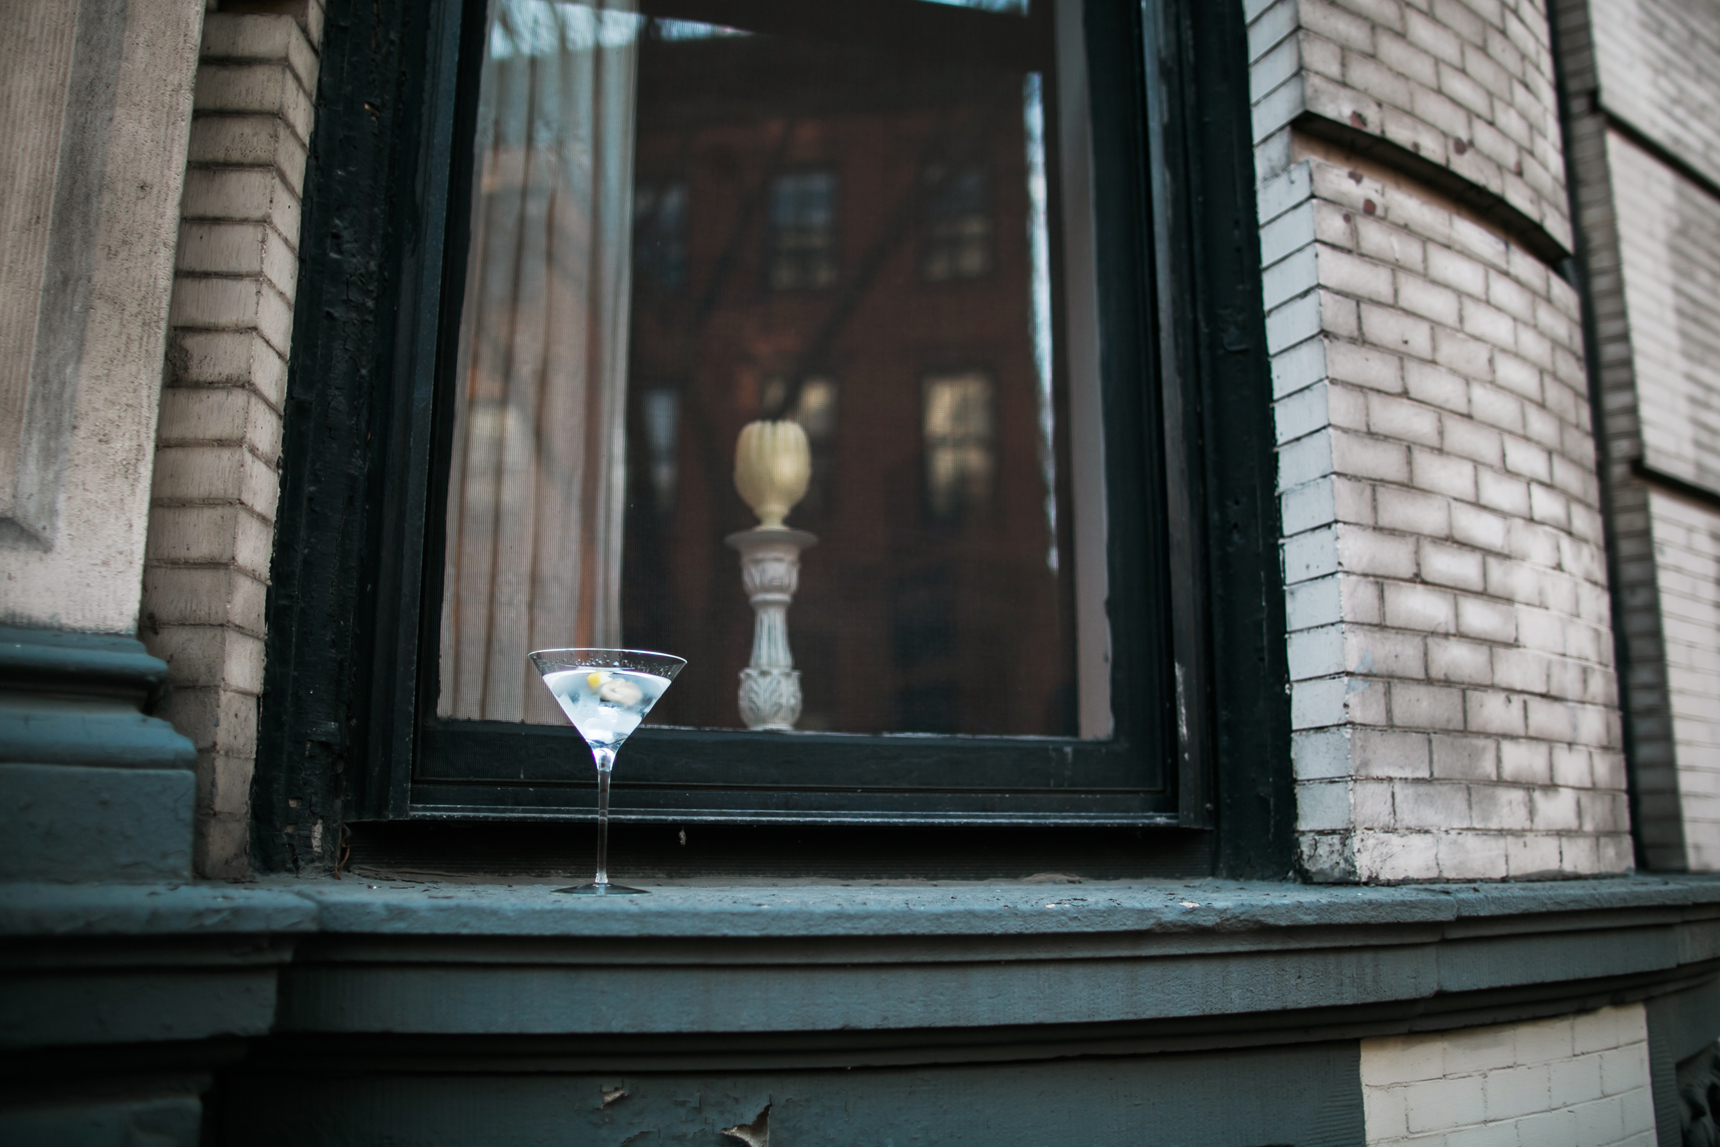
point(382, 241)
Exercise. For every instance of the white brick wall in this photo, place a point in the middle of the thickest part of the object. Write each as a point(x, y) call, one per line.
point(212, 513)
point(1687, 575)
point(1466, 85)
point(1669, 241)
point(1574, 1081)
point(1658, 60)
point(1653, 253)
point(1453, 698)
point(1450, 648)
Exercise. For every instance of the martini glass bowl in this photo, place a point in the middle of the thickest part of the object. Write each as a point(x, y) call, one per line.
point(605, 693)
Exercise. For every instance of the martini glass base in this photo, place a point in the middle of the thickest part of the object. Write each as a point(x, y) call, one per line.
point(605, 890)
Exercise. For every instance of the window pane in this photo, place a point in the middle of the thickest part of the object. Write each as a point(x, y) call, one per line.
point(850, 229)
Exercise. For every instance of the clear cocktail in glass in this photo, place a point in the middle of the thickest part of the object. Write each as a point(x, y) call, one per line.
point(605, 693)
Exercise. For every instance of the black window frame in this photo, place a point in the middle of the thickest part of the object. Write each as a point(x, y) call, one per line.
point(1192, 511)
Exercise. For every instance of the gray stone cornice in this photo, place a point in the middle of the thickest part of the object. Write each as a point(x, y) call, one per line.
point(1095, 965)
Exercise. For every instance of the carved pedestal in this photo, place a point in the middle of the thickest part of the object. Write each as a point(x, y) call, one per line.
point(770, 572)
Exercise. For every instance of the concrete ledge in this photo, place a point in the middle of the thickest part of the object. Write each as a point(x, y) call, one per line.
point(47, 659)
point(1085, 961)
point(69, 822)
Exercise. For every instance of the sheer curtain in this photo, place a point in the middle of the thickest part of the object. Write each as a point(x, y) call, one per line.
point(536, 485)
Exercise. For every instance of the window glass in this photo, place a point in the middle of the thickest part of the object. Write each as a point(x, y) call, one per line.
point(955, 238)
point(680, 227)
point(803, 249)
point(960, 445)
point(660, 235)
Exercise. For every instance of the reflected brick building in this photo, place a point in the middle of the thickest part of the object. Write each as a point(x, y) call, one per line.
point(813, 242)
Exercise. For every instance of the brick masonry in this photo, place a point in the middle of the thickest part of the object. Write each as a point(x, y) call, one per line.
point(1669, 242)
point(211, 524)
point(1658, 61)
point(1453, 696)
point(1644, 159)
point(1464, 84)
point(1687, 577)
point(1574, 1081)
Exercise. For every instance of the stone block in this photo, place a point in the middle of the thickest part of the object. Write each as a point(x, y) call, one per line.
point(1419, 608)
point(1499, 807)
point(1272, 24)
point(67, 822)
point(255, 88)
point(1477, 527)
point(1393, 417)
point(1441, 1104)
point(1487, 711)
point(1387, 753)
point(241, 193)
point(1533, 854)
point(1375, 554)
point(1354, 276)
point(1433, 707)
point(1392, 245)
point(256, 141)
point(1465, 758)
point(260, 36)
point(1471, 856)
point(1459, 662)
point(1396, 331)
point(1365, 366)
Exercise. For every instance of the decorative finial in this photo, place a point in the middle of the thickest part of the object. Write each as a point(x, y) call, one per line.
point(773, 464)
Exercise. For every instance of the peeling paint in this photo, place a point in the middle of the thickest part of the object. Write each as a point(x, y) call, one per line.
point(754, 1134)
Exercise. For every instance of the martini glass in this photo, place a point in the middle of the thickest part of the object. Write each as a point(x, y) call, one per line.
point(605, 693)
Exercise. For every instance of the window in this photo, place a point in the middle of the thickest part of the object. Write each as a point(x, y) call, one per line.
point(644, 227)
point(956, 231)
point(960, 445)
point(803, 247)
point(660, 233)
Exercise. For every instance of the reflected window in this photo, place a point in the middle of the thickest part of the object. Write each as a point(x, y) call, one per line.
point(960, 432)
point(660, 234)
point(815, 410)
point(802, 231)
point(660, 408)
point(955, 229)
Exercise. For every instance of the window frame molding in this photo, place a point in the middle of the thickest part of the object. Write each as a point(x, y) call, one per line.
point(384, 254)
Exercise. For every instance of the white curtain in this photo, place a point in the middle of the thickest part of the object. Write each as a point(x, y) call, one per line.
point(536, 485)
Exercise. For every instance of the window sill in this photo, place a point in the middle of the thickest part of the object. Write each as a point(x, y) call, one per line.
point(1152, 964)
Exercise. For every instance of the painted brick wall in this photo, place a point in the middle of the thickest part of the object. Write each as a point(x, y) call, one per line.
point(1658, 63)
point(1649, 68)
point(1669, 240)
point(211, 526)
point(1574, 1081)
point(1453, 697)
point(1687, 576)
point(1465, 85)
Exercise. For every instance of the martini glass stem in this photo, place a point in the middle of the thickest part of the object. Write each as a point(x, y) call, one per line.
point(605, 764)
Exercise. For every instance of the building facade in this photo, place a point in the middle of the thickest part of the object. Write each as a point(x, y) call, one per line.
point(1262, 651)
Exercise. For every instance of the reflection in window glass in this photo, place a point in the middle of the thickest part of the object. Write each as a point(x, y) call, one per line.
point(955, 240)
point(661, 408)
point(816, 412)
point(1012, 7)
point(960, 445)
point(535, 499)
point(791, 193)
point(803, 230)
point(660, 234)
